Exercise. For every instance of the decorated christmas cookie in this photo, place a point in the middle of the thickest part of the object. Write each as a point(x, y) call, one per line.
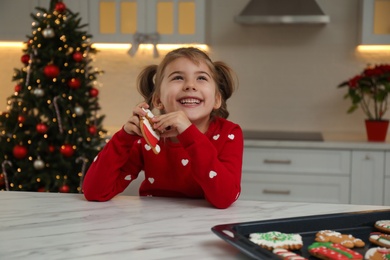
point(346, 240)
point(287, 255)
point(383, 225)
point(329, 251)
point(275, 239)
point(151, 136)
point(380, 239)
point(377, 253)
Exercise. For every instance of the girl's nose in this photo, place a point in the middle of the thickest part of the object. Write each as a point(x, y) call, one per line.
point(189, 86)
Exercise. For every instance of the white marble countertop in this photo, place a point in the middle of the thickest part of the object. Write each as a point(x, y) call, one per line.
point(65, 226)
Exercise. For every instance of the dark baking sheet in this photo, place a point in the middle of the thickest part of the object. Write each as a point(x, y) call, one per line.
point(359, 224)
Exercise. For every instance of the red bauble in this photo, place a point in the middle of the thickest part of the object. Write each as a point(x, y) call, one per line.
point(25, 58)
point(92, 129)
point(51, 71)
point(41, 189)
point(60, 7)
point(74, 83)
point(64, 189)
point(2, 181)
point(18, 88)
point(93, 92)
point(77, 56)
point(41, 128)
point(67, 150)
point(19, 151)
point(21, 119)
point(52, 148)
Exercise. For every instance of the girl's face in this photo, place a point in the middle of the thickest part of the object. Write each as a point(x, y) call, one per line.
point(190, 88)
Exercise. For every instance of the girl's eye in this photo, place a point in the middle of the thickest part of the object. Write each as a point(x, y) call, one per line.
point(177, 77)
point(202, 78)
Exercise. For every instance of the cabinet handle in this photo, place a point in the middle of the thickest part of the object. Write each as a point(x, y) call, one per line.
point(280, 192)
point(269, 161)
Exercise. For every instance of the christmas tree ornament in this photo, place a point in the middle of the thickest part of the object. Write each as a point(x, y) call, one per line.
point(18, 88)
point(92, 130)
point(67, 150)
point(38, 164)
point(41, 128)
point(52, 148)
point(41, 189)
point(51, 71)
point(5, 173)
point(93, 92)
point(25, 58)
point(64, 189)
point(77, 56)
point(48, 32)
point(21, 119)
point(19, 151)
point(74, 83)
point(60, 7)
point(39, 92)
point(79, 111)
point(55, 100)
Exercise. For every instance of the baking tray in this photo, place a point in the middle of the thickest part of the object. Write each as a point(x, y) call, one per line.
point(359, 224)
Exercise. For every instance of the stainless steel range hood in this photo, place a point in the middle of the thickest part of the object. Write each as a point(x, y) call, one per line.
point(282, 12)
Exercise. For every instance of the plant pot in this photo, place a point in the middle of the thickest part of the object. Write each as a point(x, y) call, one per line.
point(376, 130)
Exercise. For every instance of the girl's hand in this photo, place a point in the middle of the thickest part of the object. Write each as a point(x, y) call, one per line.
point(132, 125)
point(171, 124)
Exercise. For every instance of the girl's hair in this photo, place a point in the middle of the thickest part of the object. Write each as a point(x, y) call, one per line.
point(150, 78)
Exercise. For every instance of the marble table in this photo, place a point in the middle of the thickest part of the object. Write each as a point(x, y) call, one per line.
point(66, 226)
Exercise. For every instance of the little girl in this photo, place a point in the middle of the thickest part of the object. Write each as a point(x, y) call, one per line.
point(201, 152)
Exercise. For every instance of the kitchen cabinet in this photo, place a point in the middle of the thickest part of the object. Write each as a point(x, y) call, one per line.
point(175, 21)
point(310, 175)
point(387, 181)
point(16, 20)
point(375, 22)
point(356, 173)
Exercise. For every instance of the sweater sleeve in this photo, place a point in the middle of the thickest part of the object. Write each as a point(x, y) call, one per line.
point(216, 166)
point(113, 168)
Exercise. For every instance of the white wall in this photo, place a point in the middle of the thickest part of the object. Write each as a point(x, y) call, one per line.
point(288, 73)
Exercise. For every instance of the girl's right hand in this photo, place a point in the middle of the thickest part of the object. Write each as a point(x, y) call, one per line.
point(132, 126)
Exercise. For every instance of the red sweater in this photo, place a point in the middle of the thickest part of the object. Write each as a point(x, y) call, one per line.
point(199, 166)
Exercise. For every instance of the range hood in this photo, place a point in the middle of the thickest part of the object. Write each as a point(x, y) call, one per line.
point(282, 12)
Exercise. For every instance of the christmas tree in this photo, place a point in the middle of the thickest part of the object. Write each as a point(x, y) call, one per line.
point(51, 130)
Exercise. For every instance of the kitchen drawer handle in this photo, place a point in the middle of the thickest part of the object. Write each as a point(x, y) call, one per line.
point(280, 192)
point(269, 161)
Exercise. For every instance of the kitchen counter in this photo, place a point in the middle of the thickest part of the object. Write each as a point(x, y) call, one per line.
point(65, 226)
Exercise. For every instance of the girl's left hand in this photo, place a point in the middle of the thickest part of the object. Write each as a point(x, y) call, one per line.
point(171, 124)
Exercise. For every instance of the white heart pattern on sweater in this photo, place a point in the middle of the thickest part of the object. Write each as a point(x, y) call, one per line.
point(128, 178)
point(215, 137)
point(231, 136)
point(212, 174)
point(147, 147)
point(151, 180)
point(184, 162)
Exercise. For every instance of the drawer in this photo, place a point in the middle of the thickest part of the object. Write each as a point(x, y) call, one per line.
point(297, 188)
point(387, 192)
point(310, 161)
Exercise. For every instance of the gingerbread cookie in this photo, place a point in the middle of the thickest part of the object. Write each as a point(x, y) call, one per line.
point(383, 225)
point(287, 255)
point(380, 239)
point(377, 253)
point(151, 136)
point(346, 240)
point(329, 251)
point(275, 239)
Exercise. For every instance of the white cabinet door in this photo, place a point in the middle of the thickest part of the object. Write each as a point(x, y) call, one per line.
point(387, 180)
point(176, 21)
point(367, 177)
point(15, 19)
point(375, 22)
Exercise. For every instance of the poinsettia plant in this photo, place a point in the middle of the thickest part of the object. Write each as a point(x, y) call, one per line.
point(369, 90)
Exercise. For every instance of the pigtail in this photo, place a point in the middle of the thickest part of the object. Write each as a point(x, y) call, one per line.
point(227, 83)
point(145, 83)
